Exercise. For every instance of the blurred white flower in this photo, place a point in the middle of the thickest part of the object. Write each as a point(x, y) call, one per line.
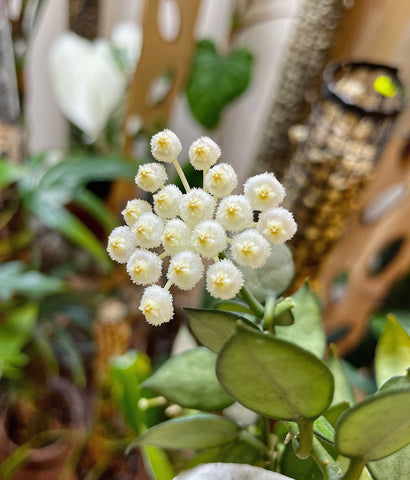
point(165, 146)
point(264, 191)
point(144, 267)
point(121, 244)
point(204, 153)
point(250, 249)
point(277, 225)
point(221, 180)
point(127, 38)
point(224, 280)
point(185, 270)
point(176, 236)
point(134, 209)
point(156, 305)
point(87, 82)
point(151, 177)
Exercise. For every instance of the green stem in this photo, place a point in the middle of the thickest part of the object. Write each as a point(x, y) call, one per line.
point(268, 323)
point(330, 469)
point(355, 469)
point(254, 305)
point(304, 443)
point(285, 305)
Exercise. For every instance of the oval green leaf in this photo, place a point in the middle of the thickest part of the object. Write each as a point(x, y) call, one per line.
point(307, 330)
point(189, 380)
point(274, 277)
point(392, 352)
point(393, 467)
point(273, 377)
point(213, 327)
point(196, 431)
point(376, 427)
point(343, 388)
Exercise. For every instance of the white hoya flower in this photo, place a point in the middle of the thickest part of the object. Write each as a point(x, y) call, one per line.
point(209, 238)
point(165, 146)
point(264, 191)
point(221, 180)
point(277, 225)
point(234, 213)
point(134, 209)
point(151, 177)
point(176, 236)
point(121, 244)
point(204, 153)
point(148, 230)
point(144, 267)
point(166, 201)
point(224, 280)
point(86, 81)
point(196, 205)
point(250, 249)
point(156, 305)
point(185, 270)
point(127, 38)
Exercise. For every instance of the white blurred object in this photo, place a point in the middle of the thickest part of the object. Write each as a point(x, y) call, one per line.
point(229, 471)
point(127, 37)
point(87, 82)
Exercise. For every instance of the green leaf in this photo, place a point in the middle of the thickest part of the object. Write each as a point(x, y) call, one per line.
point(71, 227)
point(375, 427)
point(216, 81)
point(273, 377)
point(127, 372)
point(232, 306)
point(71, 356)
point(393, 467)
point(96, 208)
point(333, 413)
point(299, 469)
point(189, 380)
point(378, 321)
point(343, 389)
point(15, 278)
point(392, 352)
point(307, 331)
point(157, 463)
point(274, 277)
point(400, 382)
point(323, 429)
point(213, 327)
point(9, 173)
point(196, 431)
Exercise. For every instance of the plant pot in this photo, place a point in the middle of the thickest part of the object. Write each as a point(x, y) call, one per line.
point(47, 462)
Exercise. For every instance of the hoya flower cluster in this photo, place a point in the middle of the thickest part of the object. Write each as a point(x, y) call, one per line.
point(197, 225)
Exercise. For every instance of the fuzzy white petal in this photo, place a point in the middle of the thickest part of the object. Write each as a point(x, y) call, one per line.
point(221, 180)
point(224, 280)
point(176, 236)
point(264, 191)
point(196, 206)
point(250, 249)
point(204, 153)
point(209, 238)
point(121, 244)
point(166, 201)
point(148, 230)
point(134, 209)
point(185, 270)
point(151, 177)
point(277, 225)
point(234, 213)
point(156, 305)
point(144, 267)
point(86, 80)
point(165, 146)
